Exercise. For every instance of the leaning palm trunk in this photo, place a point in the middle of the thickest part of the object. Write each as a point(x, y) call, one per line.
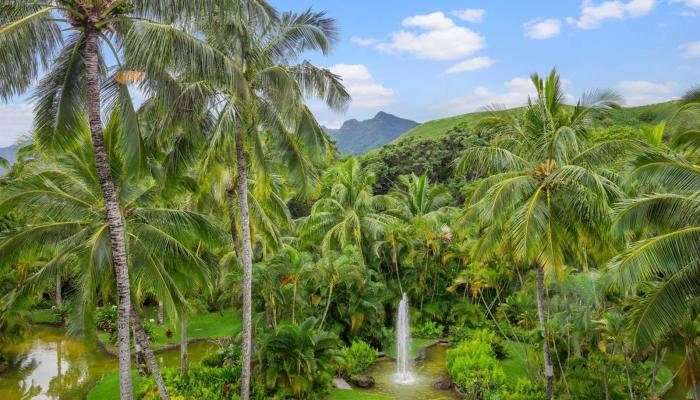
point(141, 339)
point(184, 356)
point(328, 305)
point(548, 366)
point(232, 217)
point(59, 299)
point(114, 216)
point(247, 263)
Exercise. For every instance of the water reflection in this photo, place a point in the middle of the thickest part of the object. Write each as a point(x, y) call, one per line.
point(50, 365)
point(426, 373)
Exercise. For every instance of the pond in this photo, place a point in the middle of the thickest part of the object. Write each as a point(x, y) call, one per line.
point(50, 365)
point(428, 371)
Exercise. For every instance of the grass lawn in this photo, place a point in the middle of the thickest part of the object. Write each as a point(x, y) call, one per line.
point(416, 345)
point(208, 325)
point(42, 316)
point(338, 394)
point(108, 387)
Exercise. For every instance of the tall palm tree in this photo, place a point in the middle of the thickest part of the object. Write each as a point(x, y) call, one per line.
point(665, 223)
point(265, 109)
point(348, 214)
point(69, 228)
point(31, 42)
point(544, 185)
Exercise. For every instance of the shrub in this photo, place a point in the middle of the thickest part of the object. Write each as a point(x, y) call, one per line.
point(201, 383)
point(522, 389)
point(107, 318)
point(473, 367)
point(299, 362)
point(429, 329)
point(358, 357)
point(228, 355)
point(460, 334)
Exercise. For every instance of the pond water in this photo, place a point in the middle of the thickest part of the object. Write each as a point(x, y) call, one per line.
point(428, 371)
point(47, 364)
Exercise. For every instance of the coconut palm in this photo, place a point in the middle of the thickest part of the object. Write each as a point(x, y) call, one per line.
point(349, 214)
point(665, 221)
point(544, 186)
point(74, 68)
point(70, 230)
point(417, 197)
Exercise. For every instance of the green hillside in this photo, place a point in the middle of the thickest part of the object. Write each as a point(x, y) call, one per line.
point(634, 116)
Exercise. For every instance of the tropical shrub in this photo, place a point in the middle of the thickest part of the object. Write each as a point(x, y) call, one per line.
point(522, 389)
point(358, 357)
point(107, 318)
point(201, 383)
point(428, 329)
point(297, 361)
point(473, 367)
point(228, 355)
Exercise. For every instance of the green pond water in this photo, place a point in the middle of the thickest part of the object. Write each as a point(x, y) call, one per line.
point(428, 371)
point(47, 364)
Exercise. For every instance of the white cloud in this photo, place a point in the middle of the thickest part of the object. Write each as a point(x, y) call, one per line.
point(15, 121)
point(689, 3)
point(691, 50)
point(475, 15)
point(640, 92)
point(539, 28)
point(516, 93)
point(592, 15)
point(365, 91)
point(442, 39)
point(364, 42)
point(433, 21)
point(472, 64)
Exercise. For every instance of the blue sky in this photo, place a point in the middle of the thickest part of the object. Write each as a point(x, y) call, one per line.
point(426, 59)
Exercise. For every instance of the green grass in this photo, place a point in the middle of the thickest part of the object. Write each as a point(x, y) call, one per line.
point(339, 394)
point(416, 345)
point(208, 325)
point(515, 365)
point(42, 316)
point(108, 387)
point(625, 116)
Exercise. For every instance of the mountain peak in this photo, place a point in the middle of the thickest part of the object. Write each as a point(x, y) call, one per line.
point(358, 137)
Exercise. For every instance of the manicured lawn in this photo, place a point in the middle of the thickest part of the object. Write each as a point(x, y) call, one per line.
point(208, 325)
point(416, 345)
point(42, 316)
point(338, 394)
point(108, 387)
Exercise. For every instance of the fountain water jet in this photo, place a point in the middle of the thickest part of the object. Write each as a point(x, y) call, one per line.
point(403, 344)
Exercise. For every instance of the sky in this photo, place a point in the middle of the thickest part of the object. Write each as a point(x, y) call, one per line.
point(428, 59)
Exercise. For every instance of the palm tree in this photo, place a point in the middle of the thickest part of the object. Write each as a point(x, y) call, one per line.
point(31, 42)
point(544, 186)
point(348, 214)
point(417, 197)
point(69, 228)
point(665, 221)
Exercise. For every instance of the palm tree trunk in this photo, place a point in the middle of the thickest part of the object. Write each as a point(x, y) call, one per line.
point(113, 213)
point(59, 298)
point(629, 379)
point(184, 356)
point(658, 360)
point(142, 340)
point(294, 301)
point(548, 366)
point(328, 305)
point(247, 262)
point(232, 217)
point(161, 313)
point(691, 368)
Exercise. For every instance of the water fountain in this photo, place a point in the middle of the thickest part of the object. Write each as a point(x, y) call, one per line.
point(403, 344)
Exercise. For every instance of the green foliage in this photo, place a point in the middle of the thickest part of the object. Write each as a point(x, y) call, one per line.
point(473, 367)
point(106, 319)
point(428, 329)
point(357, 358)
point(297, 361)
point(201, 382)
point(228, 355)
